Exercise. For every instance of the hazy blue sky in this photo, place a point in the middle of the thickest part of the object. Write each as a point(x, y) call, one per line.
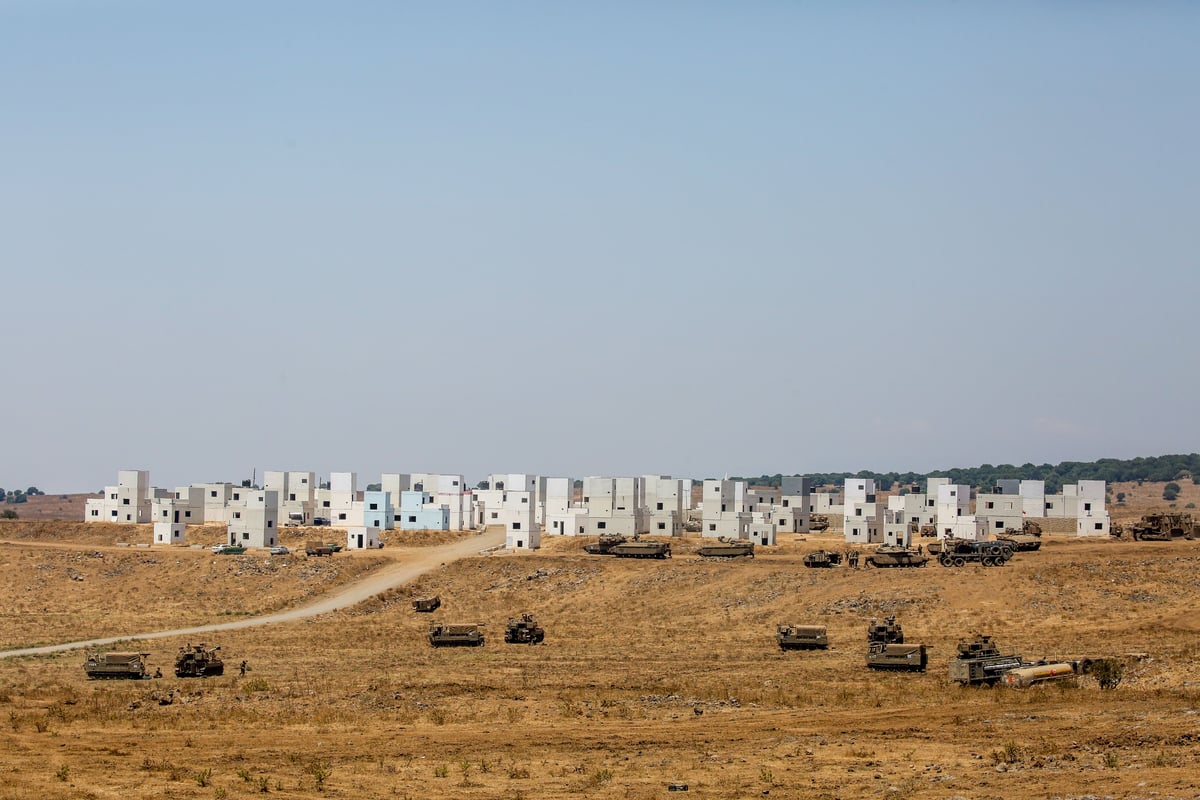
point(688, 238)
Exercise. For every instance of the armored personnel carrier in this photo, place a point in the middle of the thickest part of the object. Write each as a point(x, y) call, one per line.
point(622, 547)
point(727, 548)
point(886, 649)
point(891, 555)
point(198, 662)
point(801, 637)
point(426, 604)
point(116, 666)
point(523, 630)
point(1163, 527)
point(444, 635)
point(979, 661)
point(823, 559)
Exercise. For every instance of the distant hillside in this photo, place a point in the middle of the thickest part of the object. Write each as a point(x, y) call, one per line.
point(1112, 470)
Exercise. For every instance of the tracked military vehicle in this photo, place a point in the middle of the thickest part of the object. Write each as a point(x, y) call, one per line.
point(622, 547)
point(427, 604)
point(960, 552)
point(818, 522)
point(892, 555)
point(801, 637)
point(116, 666)
point(444, 635)
point(822, 559)
point(886, 649)
point(1163, 527)
point(727, 548)
point(1028, 538)
point(198, 662)
point(979, 661)
point(523, 630)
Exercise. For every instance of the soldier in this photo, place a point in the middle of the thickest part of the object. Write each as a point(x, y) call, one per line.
point(243, 668)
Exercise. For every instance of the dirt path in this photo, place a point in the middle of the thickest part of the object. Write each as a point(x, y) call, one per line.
point(412, 563)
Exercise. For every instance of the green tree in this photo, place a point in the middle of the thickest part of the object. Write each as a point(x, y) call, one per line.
point(1171, 492)
point(1120, 497)
point(8, 513)
point(374, 487)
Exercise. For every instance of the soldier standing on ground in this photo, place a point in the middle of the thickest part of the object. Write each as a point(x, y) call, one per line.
point(243, 668)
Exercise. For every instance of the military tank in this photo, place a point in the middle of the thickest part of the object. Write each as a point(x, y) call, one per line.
point(445, 635)
point(116, 666)
point(979, 661)
point(198, 661)
point(823, 559)
point(818, 522)
point(1028, 538)
point(727, 548)
point(892, 555)
point(523, 630)
point(623, 547)
point(886, 649)
point(604, 545)
point(801, 637)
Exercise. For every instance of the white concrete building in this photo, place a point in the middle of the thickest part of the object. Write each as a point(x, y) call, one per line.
point(667, 501)
point(254, 518)
point(1000, 511)
point(127, 502)
point(614, 506)
point(723, 510)
point(343, 492)
point(365, 537)
point(1033, 498)
point(297, 492)
point(862, 516)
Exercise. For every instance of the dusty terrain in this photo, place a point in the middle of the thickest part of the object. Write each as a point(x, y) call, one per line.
point(652, 672)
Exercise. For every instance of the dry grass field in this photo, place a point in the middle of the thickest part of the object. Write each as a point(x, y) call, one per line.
point(652, 672)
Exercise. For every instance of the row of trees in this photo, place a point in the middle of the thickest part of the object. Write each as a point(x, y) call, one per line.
point(1111, 470)
point(19, 496)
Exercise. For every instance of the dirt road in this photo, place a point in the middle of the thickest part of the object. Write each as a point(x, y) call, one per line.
point(412, 563)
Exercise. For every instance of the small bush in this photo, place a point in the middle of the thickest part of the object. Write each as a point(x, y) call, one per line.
point(203, 777)
point(441, 771)
point(600, 777)
point(63, 773)
point(1108, 672)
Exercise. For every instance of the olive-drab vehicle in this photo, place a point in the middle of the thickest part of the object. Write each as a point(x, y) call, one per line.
point(818, 522)
point(523, 630)
point(117, 666)
point(198, 662)
point(823, 559)
point(801, 637)
point(960, 552)
point(886, 649)
point(1163, 527)
point(442, 634)
point(979, 661)
point(622, 547)
point(893, 555)
point(427, 604)
point(1028, 538)
point(727, 548)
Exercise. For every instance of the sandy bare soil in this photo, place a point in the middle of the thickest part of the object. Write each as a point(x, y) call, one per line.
point(652, 672)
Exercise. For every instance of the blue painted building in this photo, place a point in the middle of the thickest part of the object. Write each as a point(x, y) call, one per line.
point(416, 515)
